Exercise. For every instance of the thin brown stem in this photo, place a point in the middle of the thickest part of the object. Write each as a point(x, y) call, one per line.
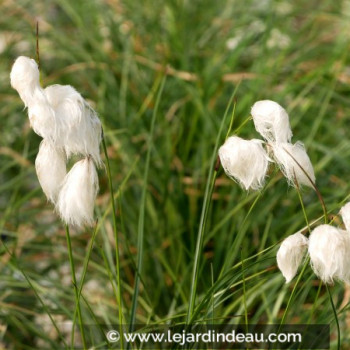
point(37, 45)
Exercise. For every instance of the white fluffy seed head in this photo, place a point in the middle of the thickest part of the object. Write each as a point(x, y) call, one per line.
point(244, 161)
point(78, 129)
point(294, 163)
point(25, 78)
point(290, 255)
point(345, 214)
point(271, 121)
point(78, 193)
point(42, 117)
point(58, 113)
point(50, 165)
point(329, 253)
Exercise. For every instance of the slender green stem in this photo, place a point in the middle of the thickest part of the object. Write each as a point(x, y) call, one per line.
point(307, 260)
point(141, 222)
point(228, 261)
point(117, 259)
point(236, 131)
point(302, 204)
point(199, 245)
point(204, 215)
point(326, 222)
point(314, 304)
point(77, 301)
point(289, 303)
point(97, 322)
point(335, 316)
point(87, 259)
point(244, 293)
point(213, 299)
point(231, 121)
point(85, 266)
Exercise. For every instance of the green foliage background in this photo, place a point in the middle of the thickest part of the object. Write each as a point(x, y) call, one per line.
point(115, 53)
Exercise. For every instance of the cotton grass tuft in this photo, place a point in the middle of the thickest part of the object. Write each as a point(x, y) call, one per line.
point(78, 129)
point(290, 255)
point(69, 126)
point(271, 121)
point(78, 193)
point(329, 249)
point(25, 78)
point(245, 161)
point(50, 165)
point(58, 112)
point(42, 118)
point(294, 163)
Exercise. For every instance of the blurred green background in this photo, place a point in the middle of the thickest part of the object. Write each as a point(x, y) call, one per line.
point(115, 53)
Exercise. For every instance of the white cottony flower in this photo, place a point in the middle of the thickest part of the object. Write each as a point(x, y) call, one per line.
point(244, 161)
point(345, 214)
point(290, 255)
point(69, 127)
point(58, 112)
point(25, 78)
point(271, 121)
point(50, 165)
point(42, 117)
point(329, 253)
point(78, 193)
point(294, 163)
point(78, 128)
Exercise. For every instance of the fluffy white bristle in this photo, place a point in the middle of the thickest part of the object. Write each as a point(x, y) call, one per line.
point(290, 255)
point(58, 113)
point(244, 161)
point(25, 78)
point(50, 165)
point(294, 163)
point(69, 126)
point(271, 121)
point(77, 196)
point(329, 253)
point(78, 128)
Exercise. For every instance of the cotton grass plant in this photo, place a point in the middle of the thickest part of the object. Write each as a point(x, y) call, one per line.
point(327, 246)
point(114, 55)
point(69, 126)
point(247, 161)
point(74, 192)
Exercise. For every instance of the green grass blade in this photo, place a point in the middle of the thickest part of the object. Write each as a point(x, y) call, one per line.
point(206, 202)
point(117, 259)
point(140, 236)
point(76, 293)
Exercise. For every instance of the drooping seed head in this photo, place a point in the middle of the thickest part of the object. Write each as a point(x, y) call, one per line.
point(25, 77)
point(78, 193)
point(245, 161)
point(271, 121)
point(329, 253)
point(291, 254)
point(50, 165)
point(294, 163)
